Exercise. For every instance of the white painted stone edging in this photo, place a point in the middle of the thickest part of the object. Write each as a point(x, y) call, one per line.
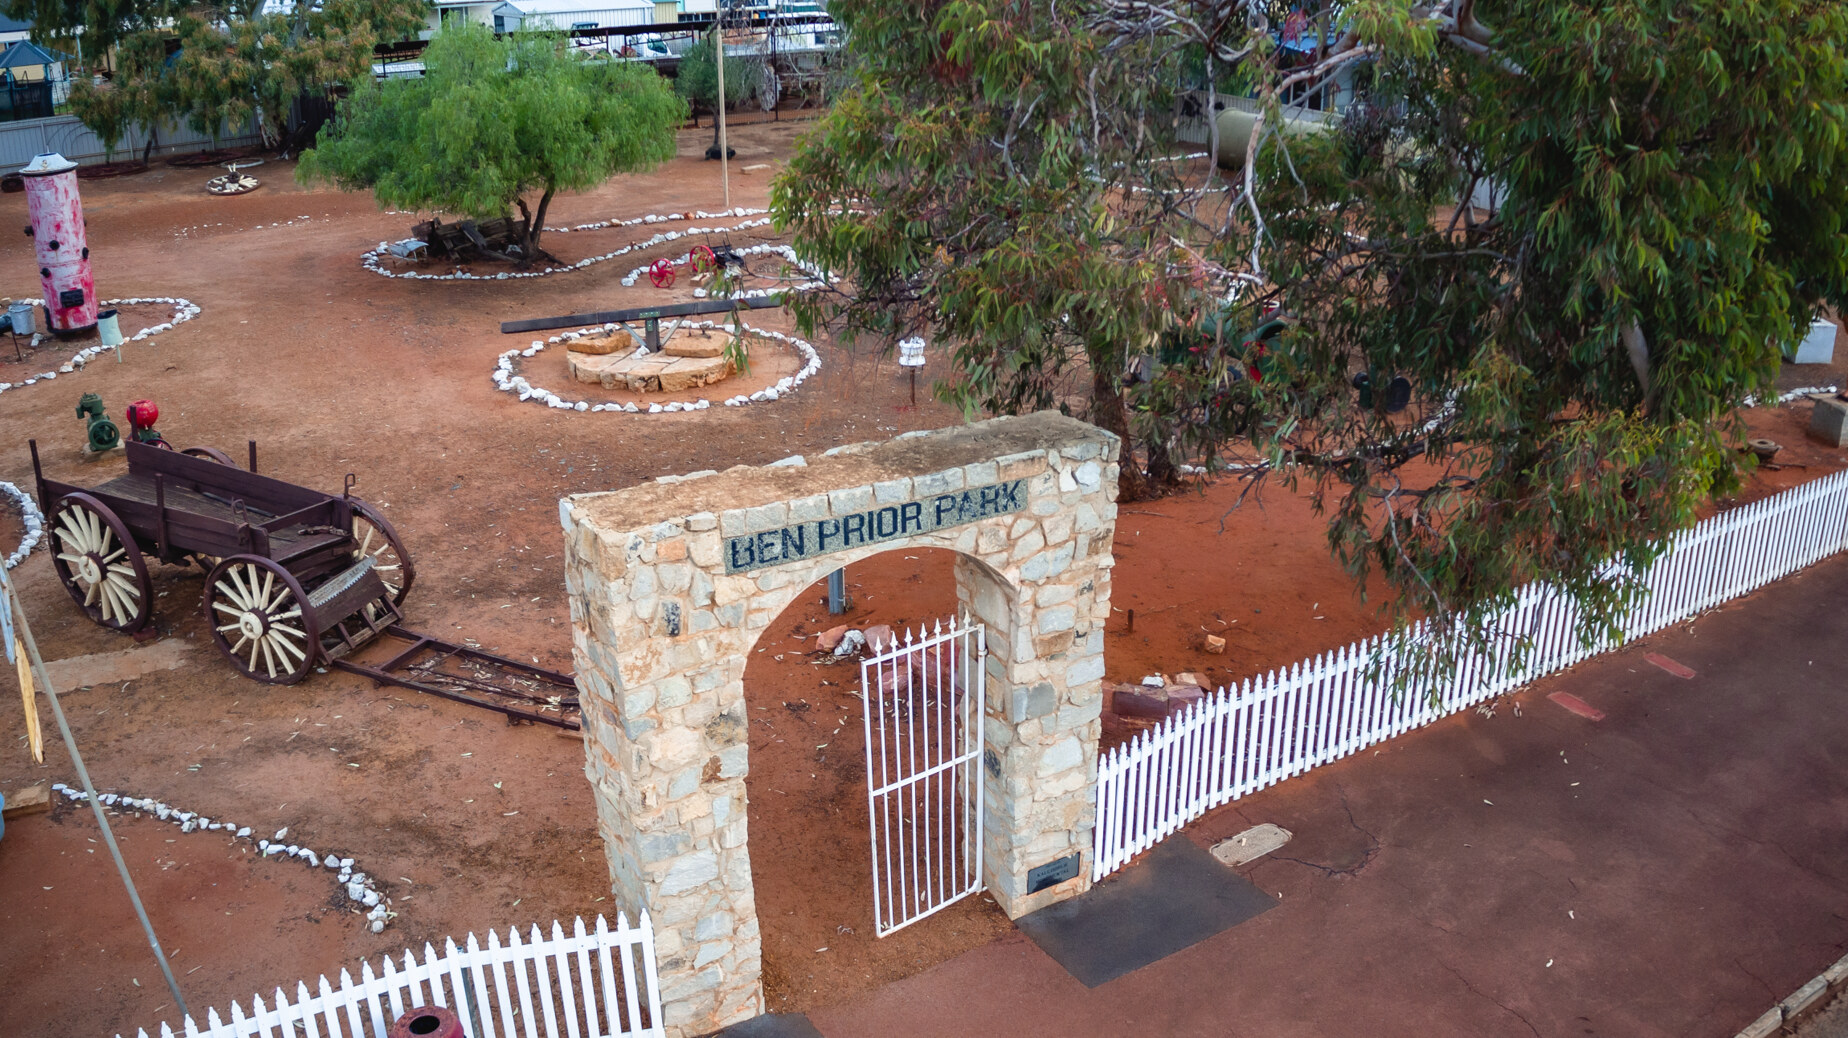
point(697, 214)
point(183, 310)
point(29, 514)
point(359, 887)
point(507, 380)
point(370, 260)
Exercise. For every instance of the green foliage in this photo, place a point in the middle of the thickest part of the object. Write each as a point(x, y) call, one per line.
point(1676, 181)
point(133, 98)
point(234, 62)
point(697, 78)
point(492, 121)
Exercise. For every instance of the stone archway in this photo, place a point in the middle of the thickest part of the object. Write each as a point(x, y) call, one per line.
point(672, 582)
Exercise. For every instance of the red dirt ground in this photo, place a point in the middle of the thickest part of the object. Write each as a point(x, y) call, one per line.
point(468, 822)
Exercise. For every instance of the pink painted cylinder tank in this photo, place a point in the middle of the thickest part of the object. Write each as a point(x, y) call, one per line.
point(62, 245)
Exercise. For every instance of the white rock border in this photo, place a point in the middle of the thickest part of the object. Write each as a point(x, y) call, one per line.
point(183, 310)
point(359, 887)
point(370, 260)
point(697, 214)
point(508, 380)
point(33, 518)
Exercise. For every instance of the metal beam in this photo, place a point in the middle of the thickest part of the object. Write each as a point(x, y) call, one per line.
point(708, 306)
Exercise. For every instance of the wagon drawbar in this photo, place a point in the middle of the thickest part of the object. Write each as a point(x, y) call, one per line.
point(295, 578)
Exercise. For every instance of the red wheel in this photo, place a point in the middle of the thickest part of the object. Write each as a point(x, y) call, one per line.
point(662, 273)
point(702, 259)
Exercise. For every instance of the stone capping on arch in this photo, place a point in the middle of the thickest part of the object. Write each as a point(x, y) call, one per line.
point(670, 591)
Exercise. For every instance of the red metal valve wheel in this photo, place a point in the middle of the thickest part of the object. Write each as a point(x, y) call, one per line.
point(662, 273)
point(702, 259)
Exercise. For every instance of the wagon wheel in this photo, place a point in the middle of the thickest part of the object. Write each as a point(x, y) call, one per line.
point(260, 619)
point(377, 538)
point(100, 564)
point(702, 259)
point(211, 454)
point(662, 273)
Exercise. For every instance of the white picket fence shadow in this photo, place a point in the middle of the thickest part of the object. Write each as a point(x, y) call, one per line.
point(597, 983)
point(1295, 718)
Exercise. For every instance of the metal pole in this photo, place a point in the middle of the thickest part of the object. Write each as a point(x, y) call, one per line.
point(718, 47)
point(837, 592)
point(83, 775)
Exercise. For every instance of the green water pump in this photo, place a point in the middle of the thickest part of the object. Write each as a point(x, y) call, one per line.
point(102, 432)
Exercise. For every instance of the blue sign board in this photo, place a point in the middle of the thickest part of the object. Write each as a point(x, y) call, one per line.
point(881, 523)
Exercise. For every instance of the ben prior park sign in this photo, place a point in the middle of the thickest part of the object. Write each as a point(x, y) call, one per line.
point(886, 523)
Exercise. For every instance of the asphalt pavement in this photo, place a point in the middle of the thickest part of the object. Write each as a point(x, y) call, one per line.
point(1672, 869)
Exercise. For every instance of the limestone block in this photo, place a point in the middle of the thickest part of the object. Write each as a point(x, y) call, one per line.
point(599, 345)
point(698, 344)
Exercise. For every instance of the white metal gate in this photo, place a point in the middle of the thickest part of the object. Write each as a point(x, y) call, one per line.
point(924, 770)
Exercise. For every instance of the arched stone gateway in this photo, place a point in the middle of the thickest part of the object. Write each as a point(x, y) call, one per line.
point(673, 581)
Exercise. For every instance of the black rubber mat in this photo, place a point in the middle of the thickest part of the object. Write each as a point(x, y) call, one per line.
point(772, 1025)
point(1174, 898)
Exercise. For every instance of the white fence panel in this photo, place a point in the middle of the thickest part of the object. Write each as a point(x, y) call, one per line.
point(1270, 728)
point(600, 982)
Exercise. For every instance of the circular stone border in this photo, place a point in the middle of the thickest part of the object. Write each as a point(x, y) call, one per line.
point(370, 260)
point(508, 380)
point(184, 310)
point(29, 514)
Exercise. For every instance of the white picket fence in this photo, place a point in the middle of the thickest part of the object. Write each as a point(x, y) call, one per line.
point(1300, 717)
point(599, 983)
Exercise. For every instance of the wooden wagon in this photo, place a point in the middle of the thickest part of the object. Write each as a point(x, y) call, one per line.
point(295, 577)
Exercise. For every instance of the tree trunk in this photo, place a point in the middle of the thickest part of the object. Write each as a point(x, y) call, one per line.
point(1110, 413)
point(148, 149)
point(537, 226)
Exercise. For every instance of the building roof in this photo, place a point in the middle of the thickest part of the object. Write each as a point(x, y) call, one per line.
point(14, 24)
point(557, 7)
point(25, 52)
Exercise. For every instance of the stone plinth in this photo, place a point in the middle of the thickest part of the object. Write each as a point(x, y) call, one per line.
point(672, 583)
point(1829, 421)
point(662, 372)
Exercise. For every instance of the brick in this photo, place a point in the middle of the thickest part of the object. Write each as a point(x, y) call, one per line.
point(1669, 665)
point(1574, 704)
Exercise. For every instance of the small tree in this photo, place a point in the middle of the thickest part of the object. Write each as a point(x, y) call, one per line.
point(697, 80)
point(493, 121)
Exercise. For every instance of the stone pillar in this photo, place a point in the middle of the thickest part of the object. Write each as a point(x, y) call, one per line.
point(673, 581)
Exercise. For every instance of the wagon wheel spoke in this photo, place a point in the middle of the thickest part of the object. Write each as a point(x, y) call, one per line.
point(375, 538)
point(100, 563)
point(259, 621)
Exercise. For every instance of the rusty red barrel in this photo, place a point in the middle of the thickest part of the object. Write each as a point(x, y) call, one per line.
point(427, 1022)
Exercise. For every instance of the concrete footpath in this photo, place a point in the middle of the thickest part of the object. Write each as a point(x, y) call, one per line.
point(1673, 869)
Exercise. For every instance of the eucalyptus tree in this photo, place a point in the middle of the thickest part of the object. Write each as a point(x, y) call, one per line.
point(1670, 181)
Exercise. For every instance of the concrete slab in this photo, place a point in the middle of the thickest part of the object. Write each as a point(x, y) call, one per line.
point(772, 1025)
point(1250, 845)
point(1175, 898)
point(109, 668)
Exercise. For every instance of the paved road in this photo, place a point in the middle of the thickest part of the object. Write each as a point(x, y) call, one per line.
point(1672, 870)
